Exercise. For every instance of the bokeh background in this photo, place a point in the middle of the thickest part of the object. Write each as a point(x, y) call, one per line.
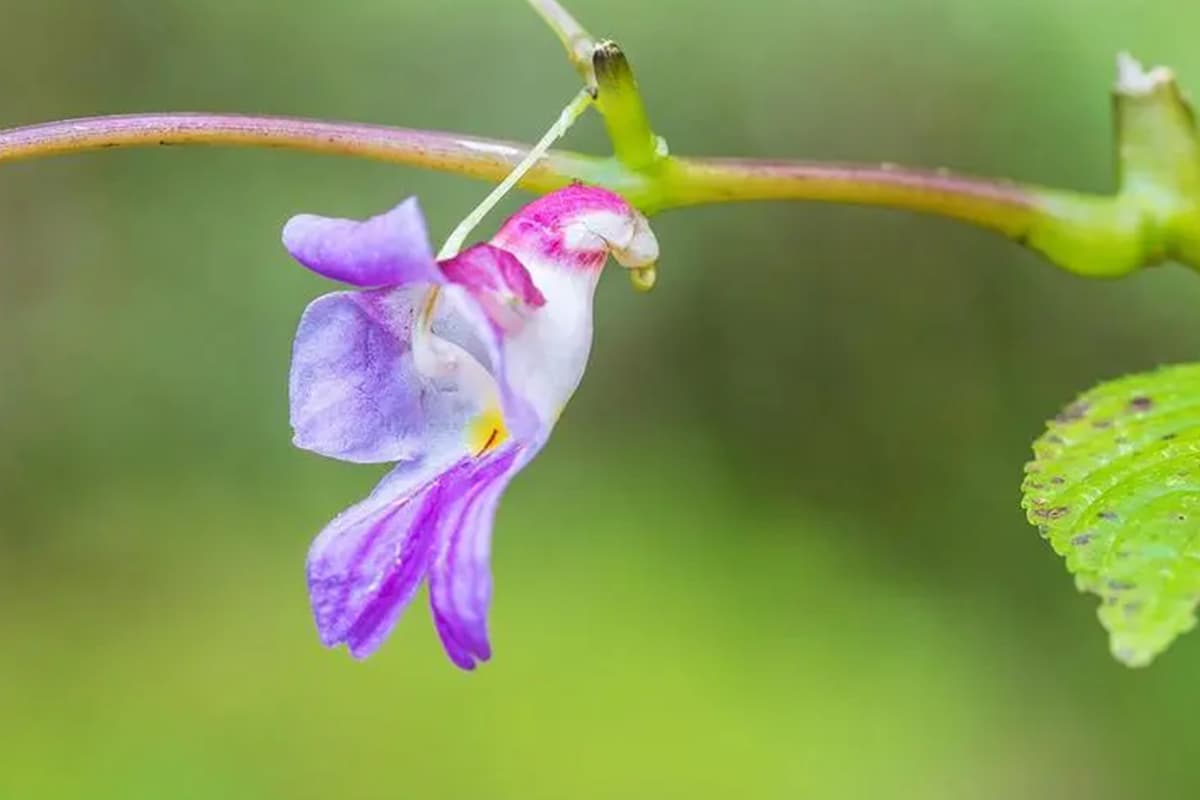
point(774, 549)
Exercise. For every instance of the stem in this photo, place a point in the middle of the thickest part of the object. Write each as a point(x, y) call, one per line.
point(474, 157)
point(1090, 235)
point(1097, 236)
point(604, 67)
point(997, 205)
point(578, 42)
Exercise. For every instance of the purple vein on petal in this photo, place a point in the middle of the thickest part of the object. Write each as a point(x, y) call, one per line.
point(369, 561)
point(462, 622)
point(381, 614)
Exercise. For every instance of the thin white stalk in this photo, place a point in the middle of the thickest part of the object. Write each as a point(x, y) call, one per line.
point(563, 124)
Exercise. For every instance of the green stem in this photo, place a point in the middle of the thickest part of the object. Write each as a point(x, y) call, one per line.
point(1001, 206)
point(1095, 236)
point(1089, 235)
point(578, 43)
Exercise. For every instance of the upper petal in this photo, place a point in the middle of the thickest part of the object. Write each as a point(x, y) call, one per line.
point(387, 250)
point(576, 228)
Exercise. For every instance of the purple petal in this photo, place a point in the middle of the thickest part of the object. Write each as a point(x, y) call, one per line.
point(355, 393)
point(391, 249)
point(365, 566)
point(460, 580)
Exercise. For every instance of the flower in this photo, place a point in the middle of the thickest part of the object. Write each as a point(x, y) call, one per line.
point(457, 370)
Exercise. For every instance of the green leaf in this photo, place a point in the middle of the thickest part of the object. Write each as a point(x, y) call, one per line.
point(1115, 488)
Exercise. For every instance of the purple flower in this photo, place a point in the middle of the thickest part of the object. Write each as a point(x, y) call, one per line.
point(457, 371)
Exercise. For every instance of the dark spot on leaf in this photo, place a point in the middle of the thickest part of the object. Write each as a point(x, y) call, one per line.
point(1120, 586)
point(1082, 539)
point(1111, 600)
point(1181, 518)
point(1101, 424)
point(1131, 609)
point(1037, 486)
point(1110, 516)
point(1051, 513)
point(1058, 479)
point(1121, 440)
point(1140, 403)
point(1054, 438)
point(1073, 412)
point(1167, 436)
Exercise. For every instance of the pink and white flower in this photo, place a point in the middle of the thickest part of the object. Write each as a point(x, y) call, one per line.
point(456, 370)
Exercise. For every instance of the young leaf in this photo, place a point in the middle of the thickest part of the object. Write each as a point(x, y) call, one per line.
point(1115, 488)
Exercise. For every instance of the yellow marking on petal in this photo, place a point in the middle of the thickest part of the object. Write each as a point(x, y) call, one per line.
point(486, 432)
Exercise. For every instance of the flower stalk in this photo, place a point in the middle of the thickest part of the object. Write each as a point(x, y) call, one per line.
point(565, 120)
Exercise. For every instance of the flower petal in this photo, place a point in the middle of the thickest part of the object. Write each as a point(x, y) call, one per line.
point(391, 249)
point(487, 268)
point(577, 228)
point(355, 392)
point(364, 390)
point(457, 370)
point(460, 579)
point(462, 320)
point(365, 566)
point(563, 240)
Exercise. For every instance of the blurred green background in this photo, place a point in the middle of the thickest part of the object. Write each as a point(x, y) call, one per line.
point(774, 549)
